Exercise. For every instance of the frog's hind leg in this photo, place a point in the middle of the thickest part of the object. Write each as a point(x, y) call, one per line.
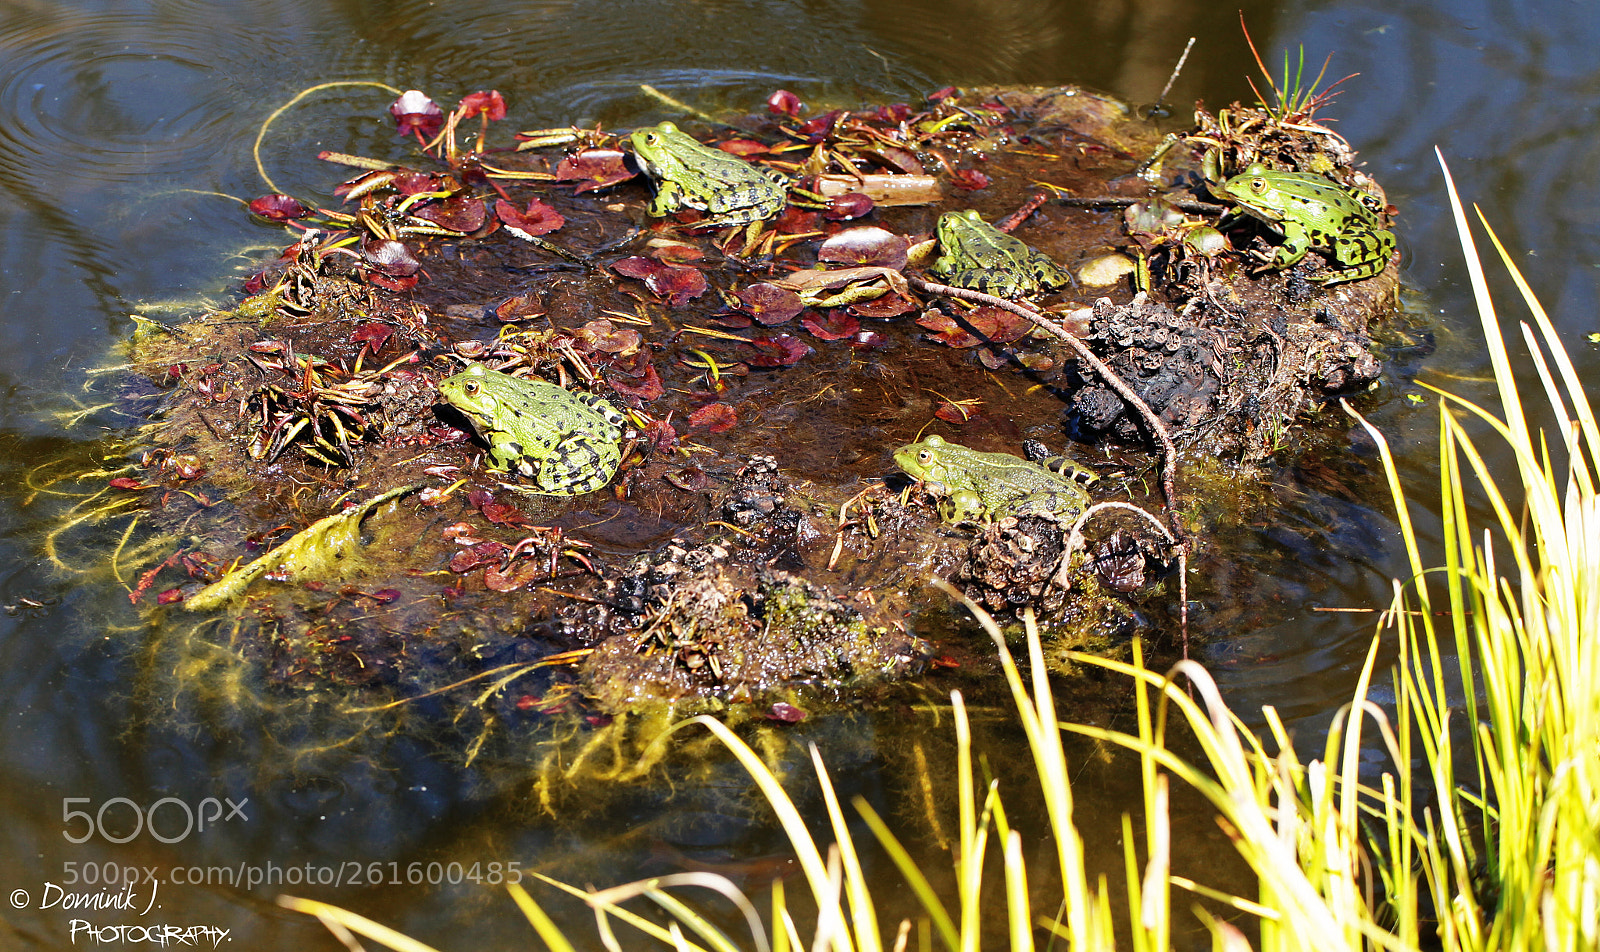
point(573, 467)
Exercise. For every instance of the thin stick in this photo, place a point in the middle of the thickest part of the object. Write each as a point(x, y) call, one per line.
point(1175, 71)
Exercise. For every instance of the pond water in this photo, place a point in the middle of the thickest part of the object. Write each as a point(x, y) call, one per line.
point(124, 127)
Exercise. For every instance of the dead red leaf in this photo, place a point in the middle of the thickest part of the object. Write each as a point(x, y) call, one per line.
point(865, 245)
point(784, 103)
point(945, 330)
point(677, 285)
point(537, 219)
point(969, 179)
point(519, 308)
point(744, 147)
point(717, 417)
point(594, 168)
point(785, 713)
point(390, 257)
point(779, 350)
point(645, 387)
point(769, 304)
point(848, 206)
point(278, 208)
point(372, 336)
point(891, 304)
point(459, 213)
point(836, 325)
point(169, 597)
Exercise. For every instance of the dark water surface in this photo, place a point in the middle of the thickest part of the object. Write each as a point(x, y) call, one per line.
point(125, 126)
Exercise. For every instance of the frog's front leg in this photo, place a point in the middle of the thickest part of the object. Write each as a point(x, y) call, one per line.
point(505, 454)
point(963, 505)
point(1296, 242)
point(669, 198)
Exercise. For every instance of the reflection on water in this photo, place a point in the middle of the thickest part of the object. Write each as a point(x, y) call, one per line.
point(123, 129)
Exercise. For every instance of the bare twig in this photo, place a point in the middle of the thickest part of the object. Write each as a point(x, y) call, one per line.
point(1175, 71)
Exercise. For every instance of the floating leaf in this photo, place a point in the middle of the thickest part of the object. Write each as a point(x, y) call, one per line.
point(945, 330)
point(645, 387)
point(390, 257)
point(865, 245)
point(415, 112)
point(126, 482)
point(969, 179)
point(797, 221)
point(677, 285)
point(537, 219)
point(602, 335)
point(691, 479)
point(717, 417)
point(373, 336)
point(901, 160)
point(459, 213)
point(278, 208)
point(594, 168)
point(519, 308)
point(505, 514)
point(785, 713)
point(784, 103)
point(997, 324)
point(848, 206)
point(836, 325)
point(779, 350)
point(769, 304)
point(667, 251)
point(886, 305)
point(410, 182)
point(892, 114)
point(816, 128)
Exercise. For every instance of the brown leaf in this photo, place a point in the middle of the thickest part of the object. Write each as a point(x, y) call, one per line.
point(459, 213)
point(537, 219)
point(779, 350)
point(717, 417)
point(769, 304)
point(594, 168)
point(836, 325)
point(278, 208)
point(646, 388)
point(865, 245)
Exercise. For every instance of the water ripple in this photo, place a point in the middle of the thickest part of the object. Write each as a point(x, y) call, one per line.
point(106, 96)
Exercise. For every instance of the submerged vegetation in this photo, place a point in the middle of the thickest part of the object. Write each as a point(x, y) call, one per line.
point(1479, 834)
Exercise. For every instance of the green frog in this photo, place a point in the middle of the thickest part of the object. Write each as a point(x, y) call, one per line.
point(729, 190)
point(1313, 211)
point(976, 255)
point(566, 443)
point(981, 487)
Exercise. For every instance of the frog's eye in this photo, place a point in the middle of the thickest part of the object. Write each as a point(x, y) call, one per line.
point(471, 387)
point(924, 457)
point(1258, 185)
